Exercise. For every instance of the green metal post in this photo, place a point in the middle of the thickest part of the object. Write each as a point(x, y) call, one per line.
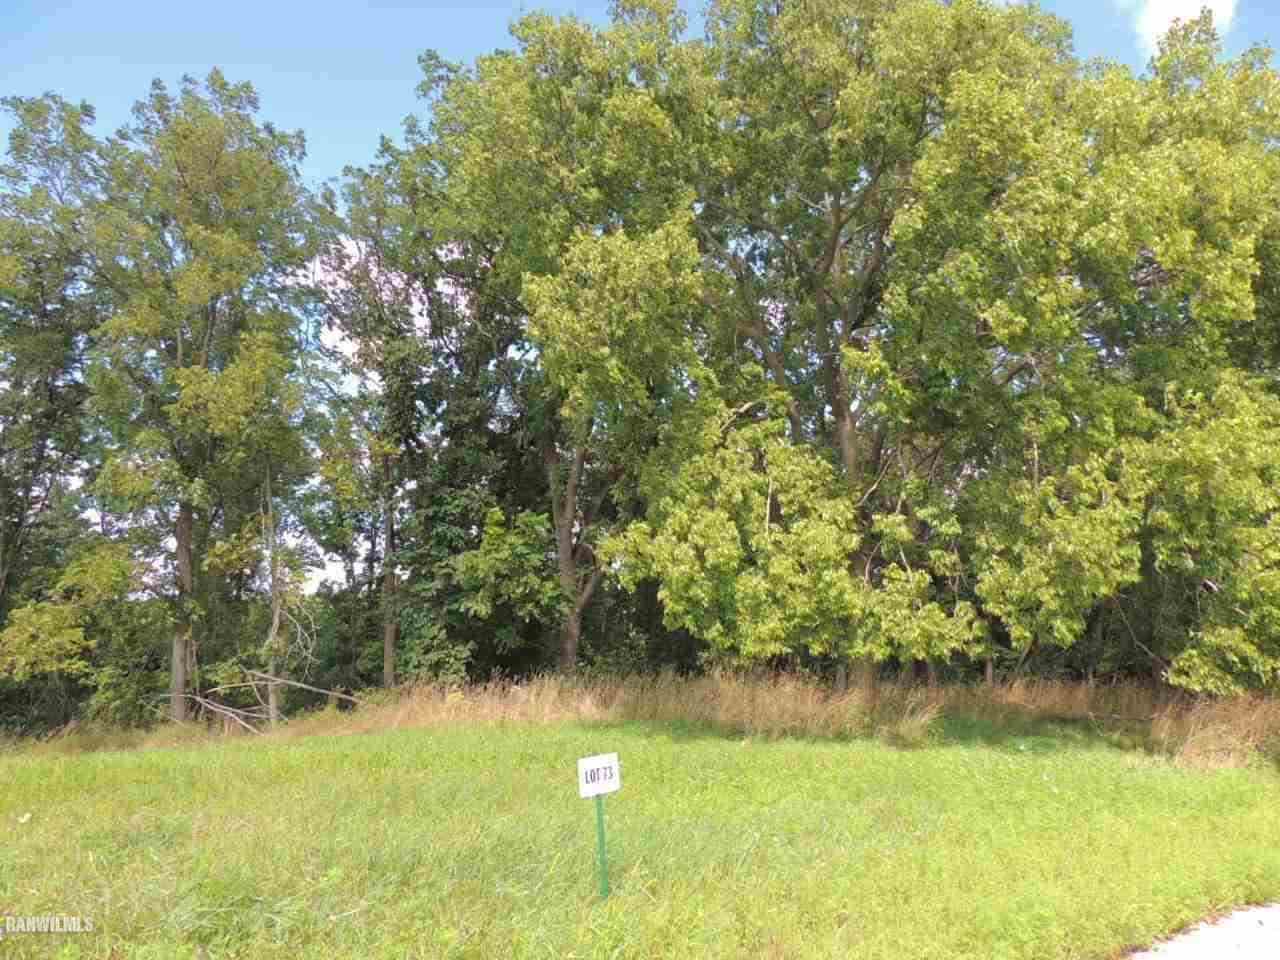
point(603, 858)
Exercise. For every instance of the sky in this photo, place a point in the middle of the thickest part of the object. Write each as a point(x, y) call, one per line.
point(346, 75)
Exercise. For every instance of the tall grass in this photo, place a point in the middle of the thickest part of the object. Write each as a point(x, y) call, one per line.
point(1193, 731)
point(464, 838)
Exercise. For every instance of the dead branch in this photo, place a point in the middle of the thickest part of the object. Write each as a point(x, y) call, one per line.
point(225, 711)
point(305, 686)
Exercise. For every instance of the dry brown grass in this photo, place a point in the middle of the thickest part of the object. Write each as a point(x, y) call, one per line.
point(1192, 731)
point(1219, 732)
point(774, 705)
point(1196, 732)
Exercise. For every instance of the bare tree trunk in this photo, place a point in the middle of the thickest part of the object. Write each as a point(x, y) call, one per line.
point(989, 670)
point(865, 674)
point(4, 568)
point(864, 669)
point(390, 617)
point(577, 589)
point(846, 441)
point(570, 636)
point(390, 634)
point(571, 629)
point(179, 670)
point(277, 604)
point(273, 693)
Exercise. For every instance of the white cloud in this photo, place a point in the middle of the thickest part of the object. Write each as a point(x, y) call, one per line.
point(1152, 18)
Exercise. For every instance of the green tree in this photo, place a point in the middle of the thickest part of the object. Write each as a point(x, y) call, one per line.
point(201, 236)
point(47, 312)
point(559, 165)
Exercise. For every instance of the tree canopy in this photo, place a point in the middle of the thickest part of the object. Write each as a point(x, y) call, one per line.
point(883, 332)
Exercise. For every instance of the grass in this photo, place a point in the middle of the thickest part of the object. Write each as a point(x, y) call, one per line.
point(1202, 733)
point(756, 819)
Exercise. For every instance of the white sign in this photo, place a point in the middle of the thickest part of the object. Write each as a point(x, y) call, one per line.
point(599, 774)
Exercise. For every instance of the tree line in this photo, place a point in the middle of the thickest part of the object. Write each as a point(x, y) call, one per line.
point(858, 336)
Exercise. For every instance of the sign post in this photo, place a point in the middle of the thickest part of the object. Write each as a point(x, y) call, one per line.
point(601, 856)
point(597, 776)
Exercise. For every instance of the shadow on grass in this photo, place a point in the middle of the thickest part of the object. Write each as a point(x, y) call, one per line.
point(1041, 734)
point(1015, 734)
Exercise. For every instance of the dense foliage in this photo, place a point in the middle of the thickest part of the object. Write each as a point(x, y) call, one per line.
point(874, 332)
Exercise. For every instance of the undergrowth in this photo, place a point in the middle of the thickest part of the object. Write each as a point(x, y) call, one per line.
point(1192, 731)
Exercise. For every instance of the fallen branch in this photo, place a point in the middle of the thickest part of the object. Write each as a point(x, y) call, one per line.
point(229, 686)
point(305, 686)
point(225, 711)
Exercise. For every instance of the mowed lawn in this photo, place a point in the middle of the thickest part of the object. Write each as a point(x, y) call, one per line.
point(470, 841)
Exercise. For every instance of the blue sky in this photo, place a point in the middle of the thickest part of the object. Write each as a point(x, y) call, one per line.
point(346, 76)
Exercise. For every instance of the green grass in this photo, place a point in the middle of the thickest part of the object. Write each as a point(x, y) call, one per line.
point(470, 841)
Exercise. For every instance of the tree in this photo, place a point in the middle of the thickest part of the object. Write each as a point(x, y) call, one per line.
point(47, 313)
point(966, 272)
point(537, 156)
point(871, 331)
point(374, 309)
point(822, 137)
point(202, 232)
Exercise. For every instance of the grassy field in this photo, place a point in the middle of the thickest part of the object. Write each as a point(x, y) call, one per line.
point(464, 837)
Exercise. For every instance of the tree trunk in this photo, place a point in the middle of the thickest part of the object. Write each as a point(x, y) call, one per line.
point(564, 513)
point(846, 441)
point(179, 675)
point(5, 561)
point(277, 603)
point(864, 670)
point(865, 674)
point(390, 618)
point(570, 635)
point(571, 629)
point(390, 634)
point(273, 693)
point(989, 670)
point(4, 581)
